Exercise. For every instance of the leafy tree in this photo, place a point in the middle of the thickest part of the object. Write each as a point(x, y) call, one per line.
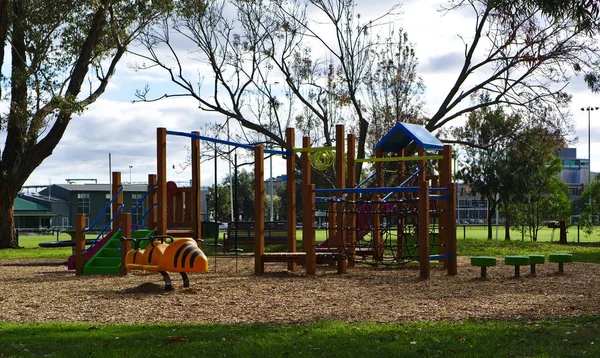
point(224, 202)
point(243, 194)
point(589, 215)
point(549, 200)
point(530, 174)
point(522, 53)
point(54, 45)
point(488, 133)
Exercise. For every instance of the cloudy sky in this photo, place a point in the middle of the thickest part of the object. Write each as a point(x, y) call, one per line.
point(128, 130)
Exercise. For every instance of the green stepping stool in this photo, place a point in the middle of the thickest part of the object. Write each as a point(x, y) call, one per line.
point(561, 259)
point(483, 262)
point(536, 260)
point(517, 262)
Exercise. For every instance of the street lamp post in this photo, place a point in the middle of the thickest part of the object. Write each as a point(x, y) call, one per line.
point(131, 166)
point(589, 110)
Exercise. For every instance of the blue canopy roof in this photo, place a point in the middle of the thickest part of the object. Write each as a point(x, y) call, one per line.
point(402, 134)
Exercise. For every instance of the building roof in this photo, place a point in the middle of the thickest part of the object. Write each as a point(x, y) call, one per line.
point(402, 134)
point(102, 187)
point(24, 207)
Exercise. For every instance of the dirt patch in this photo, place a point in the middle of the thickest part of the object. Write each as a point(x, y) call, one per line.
point(42, 292)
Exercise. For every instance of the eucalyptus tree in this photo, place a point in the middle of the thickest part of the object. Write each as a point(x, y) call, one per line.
point(55, 47)
point(522, 53)
point(317, 64)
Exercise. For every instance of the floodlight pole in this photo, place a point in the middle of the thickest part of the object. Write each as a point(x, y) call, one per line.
point(589, 110)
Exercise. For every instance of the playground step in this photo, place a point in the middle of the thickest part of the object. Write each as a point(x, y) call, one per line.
point(483, 262)
point(536, 260)
point(111, 252)
point(102, 270)
point(517, 262)
point(105, 261)
point(561, 259)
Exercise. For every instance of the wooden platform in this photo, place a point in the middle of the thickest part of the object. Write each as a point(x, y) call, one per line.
point(181, 232)
point(300, 257)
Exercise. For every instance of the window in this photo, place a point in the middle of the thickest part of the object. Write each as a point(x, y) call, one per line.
point(83, 203)
point(136, 215)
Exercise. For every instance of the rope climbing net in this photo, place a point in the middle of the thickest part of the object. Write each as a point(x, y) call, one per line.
point(380, 232)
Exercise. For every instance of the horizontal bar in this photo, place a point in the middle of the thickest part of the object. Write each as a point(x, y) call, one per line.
point(226, 142)
point(368, 190)
point(399, 159)
point(403, 189)
point(316, 149)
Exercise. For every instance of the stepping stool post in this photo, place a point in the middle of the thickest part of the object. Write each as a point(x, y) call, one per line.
point(517, 262)
point(561, 259)
point(536, 259)
point(483, 262)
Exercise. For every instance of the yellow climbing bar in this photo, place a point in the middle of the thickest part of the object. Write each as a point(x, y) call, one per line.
point(399, 159)
point(316, 149)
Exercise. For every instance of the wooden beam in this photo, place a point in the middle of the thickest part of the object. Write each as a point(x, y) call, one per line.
point(151, 199)
point(196, 202)
point(79, 243)
point(161, 171)
point(259, 210)
point(116, 183)
point(340, 173)
point(290, 139)
point(423, 235)
point(125, 245)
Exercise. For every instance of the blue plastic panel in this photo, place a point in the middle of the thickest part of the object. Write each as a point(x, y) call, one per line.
point(402, 134)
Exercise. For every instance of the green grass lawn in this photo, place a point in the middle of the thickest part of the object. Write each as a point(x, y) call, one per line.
point(577, 337)
point(545, 234)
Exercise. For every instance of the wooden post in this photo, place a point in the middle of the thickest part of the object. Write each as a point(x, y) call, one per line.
point(451, 237)
point(376, 224)
point(402, 175)
point(161, 171)
point(446, 224)
point(422, 164)
point(116, 183)
point(290, 139)
point(424, 230)
point(332, 228)
point(378, 171)
point(259, 210)
point(196, 204)
point(125, 245)
point(79, 243)
point(340, 182)
point(308, 199)
point(310, 247)
point(563, 232)
point(152, 199)
point(351, 183)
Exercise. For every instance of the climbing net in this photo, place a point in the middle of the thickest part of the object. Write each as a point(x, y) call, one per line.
point(380, 232)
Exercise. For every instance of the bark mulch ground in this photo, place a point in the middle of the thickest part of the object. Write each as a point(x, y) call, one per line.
point(44, 291)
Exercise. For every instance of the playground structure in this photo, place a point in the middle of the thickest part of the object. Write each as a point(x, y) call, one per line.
point(351, 220)
point(391, 228)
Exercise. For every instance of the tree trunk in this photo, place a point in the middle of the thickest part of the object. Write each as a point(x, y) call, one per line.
point(7, 225)
point(506, 220)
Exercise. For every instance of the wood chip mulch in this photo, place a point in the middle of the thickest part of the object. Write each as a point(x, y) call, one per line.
point(43, 291)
